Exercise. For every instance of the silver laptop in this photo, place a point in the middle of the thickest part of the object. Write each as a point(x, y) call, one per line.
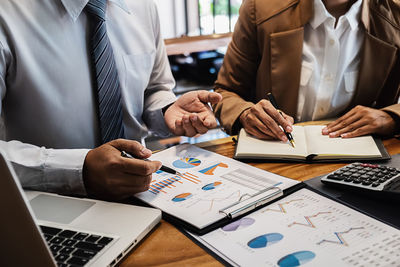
point(42, 229)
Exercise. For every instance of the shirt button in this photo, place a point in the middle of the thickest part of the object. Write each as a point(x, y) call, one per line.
point(331, 42)
point(328, 77)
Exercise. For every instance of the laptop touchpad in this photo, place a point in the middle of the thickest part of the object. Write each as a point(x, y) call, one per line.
point(58, 209)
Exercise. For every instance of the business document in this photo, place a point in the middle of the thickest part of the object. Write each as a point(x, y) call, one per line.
point(308, 229)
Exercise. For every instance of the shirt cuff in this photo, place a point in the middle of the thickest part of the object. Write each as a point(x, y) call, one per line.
point(63, 171)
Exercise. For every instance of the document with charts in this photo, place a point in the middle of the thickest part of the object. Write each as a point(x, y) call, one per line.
point(209, 182)
point(308, 229)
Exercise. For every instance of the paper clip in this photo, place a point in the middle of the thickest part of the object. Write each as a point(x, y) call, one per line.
point(244, 204)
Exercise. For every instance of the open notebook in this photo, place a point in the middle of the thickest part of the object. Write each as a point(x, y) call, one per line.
point(311, 145)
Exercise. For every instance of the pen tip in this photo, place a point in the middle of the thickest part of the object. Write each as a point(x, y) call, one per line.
point(292, 142)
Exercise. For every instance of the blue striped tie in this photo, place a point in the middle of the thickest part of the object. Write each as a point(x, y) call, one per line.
point(106, 75)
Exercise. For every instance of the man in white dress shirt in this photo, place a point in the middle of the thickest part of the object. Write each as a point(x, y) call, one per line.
point(321, 59)
point(49, 109)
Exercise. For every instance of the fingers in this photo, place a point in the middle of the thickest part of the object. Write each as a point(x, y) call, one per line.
point(288, 119)
point(250, 119)
point(268, 135)
point(206, 96)
point(361, 121)
point(128, 185)
point(139, 167)
point(198, 124)
point(272, 119)
point(188, 128)
point(133, 147)
point(341, 123)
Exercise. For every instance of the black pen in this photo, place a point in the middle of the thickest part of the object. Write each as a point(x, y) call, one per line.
point(163, 168)
point(271, 99)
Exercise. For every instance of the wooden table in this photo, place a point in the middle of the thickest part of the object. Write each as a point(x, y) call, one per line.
point(166, 246)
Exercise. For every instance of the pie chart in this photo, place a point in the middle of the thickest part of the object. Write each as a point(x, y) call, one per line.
point(296, 259)
point(265, 240)
point(186, 163)
point(211, 186)
point(242, 223)
point(182, 197)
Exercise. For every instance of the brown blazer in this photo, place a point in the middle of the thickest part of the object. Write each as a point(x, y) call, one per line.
point(265, 55)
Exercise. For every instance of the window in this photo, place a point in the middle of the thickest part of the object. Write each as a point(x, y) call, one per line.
point(218, 16)
point(197, 17)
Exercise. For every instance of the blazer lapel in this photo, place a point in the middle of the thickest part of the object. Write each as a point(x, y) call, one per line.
point(286, 56)
point(377, 60)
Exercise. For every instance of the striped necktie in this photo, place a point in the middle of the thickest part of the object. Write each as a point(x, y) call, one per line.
point(105, 72)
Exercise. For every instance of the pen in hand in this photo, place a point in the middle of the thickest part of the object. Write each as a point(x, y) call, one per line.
point(271, 99)
point(163, 168)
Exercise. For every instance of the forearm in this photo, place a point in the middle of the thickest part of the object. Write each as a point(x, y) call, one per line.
point(43, 169)
point(229, 109)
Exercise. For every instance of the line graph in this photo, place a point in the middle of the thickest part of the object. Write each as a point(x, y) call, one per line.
point(308, 220)
point(281, 207)
point(340, 239)
point(235, 195)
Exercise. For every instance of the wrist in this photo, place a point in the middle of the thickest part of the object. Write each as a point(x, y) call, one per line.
point(164, 109)
point(243, 117)
point(395, 127)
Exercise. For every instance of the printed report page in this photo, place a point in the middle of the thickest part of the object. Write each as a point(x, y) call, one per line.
point(209, 182)
point(306, 229)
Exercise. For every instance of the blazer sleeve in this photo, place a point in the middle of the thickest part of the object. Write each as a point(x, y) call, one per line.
point(236, 79)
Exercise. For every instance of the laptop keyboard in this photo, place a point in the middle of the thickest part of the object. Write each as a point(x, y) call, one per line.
point(72, 248)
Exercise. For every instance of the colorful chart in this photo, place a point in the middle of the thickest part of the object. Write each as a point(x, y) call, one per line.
point(265, 240)
point(182, 197)
point(296, 259)
point(186, 163)
point(190, 177)
point(309, 223)
point(157, 187)
point(239, 224)
point(211, 186)
point(210, 170)
point(340, 239)
point(281, 206)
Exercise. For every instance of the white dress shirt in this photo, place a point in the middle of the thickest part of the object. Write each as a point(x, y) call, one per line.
point(330, 63)
point(48, 103)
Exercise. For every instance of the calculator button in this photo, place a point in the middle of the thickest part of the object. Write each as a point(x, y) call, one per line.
point(348, 179)
point(375, 184)
point(366, 182)
point(347, 173)
point(335, 177)
point(357, 181)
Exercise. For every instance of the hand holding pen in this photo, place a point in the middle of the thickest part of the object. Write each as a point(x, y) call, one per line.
point(163, 167)
point(264, 121)
point(289, 136)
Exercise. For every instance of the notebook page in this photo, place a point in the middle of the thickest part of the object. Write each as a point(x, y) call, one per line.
point(249, 146)
point(322, 145)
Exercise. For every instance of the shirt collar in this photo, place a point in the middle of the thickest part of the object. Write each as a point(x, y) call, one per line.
point(321, 14)
point(75, 7)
